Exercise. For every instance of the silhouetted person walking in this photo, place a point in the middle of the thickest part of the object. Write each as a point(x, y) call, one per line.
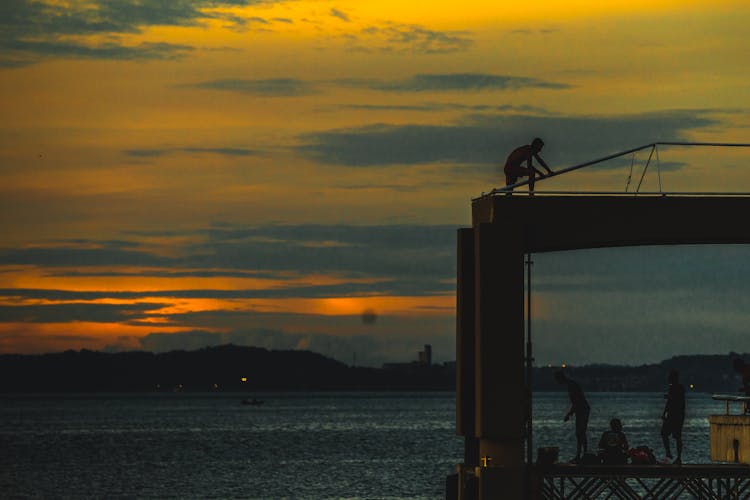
point(514, 163)
point(578, 407)
point(674, 415)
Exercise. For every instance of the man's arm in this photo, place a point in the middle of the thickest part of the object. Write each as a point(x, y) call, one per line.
point(542, 163)
point(531, 167)
point(567, 415)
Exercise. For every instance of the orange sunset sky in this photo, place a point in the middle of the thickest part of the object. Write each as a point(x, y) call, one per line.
point(189, 173)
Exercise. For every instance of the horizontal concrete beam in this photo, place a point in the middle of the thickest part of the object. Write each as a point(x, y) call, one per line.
point(551, 223)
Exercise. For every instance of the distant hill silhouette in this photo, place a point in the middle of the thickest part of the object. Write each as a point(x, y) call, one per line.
point(707, 373)
point(213, 368)
point(223, 368)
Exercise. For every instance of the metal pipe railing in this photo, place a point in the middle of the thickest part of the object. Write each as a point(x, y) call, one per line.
point(652, 145)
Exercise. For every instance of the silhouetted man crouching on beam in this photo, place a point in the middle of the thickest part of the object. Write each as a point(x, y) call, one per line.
point(514, 164)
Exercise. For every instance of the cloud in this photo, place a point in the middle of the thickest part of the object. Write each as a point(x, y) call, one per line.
point(31, 30)
point(82, 255)
point(61, 313)
point(416, 287)
point(151, 153)
point(408, 250)
point(274, 87)
point(391, 37)
point(463, 82)
point(430, 107)
point(543, 31)
point(339, 14)
point(487, 138)
point(102, 51)
point(406, 259)
point(447, 82)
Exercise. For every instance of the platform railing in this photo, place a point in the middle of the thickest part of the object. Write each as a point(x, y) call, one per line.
point(652, 146)
point(727, 398)
point(621, 193)
point(662, 482)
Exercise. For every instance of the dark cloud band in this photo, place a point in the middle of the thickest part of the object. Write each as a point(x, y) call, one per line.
point(277, 87)
point(462, 82)
point(487, 138)
point(401, 260)
point(156, 152)
point(31, 30)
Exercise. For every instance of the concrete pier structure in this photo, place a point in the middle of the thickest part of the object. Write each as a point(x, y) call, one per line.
point(493, 389)
point(730, 433)
point(730, 438)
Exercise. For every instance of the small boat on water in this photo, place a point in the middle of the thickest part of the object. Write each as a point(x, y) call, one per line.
point(252, 401)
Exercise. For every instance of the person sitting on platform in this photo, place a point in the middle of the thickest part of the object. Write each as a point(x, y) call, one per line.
point(613, 445)
point(514, 164)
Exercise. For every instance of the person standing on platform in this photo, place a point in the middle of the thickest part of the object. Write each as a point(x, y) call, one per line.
point(674, 415)
point(578, 407)
point(514, 163)
point(743, 369)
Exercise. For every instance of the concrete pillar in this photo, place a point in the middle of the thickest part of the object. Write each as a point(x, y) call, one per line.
point(501, 404)
point(465, 352)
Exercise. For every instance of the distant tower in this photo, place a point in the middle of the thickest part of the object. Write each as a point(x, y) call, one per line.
point(425, 357)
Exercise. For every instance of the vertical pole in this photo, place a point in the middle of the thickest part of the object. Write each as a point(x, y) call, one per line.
point(643, 174)
point(529, 359)
point(658, 167)
point(529, 392)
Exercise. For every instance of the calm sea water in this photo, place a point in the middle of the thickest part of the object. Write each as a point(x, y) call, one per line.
point(320, 445)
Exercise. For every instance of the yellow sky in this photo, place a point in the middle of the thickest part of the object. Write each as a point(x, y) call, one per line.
point(142, 138)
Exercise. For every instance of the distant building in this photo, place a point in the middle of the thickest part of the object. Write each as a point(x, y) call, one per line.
point(425, 357)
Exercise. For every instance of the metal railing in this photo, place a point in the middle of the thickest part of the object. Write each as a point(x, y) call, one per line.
point(653, 146)
point(634, 482)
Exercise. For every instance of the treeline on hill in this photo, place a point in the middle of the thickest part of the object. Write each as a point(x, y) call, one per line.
point(706, 373)
point(222, 368)
point(237, 368)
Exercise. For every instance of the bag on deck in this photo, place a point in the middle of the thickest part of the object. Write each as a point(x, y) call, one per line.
point(642, 455)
